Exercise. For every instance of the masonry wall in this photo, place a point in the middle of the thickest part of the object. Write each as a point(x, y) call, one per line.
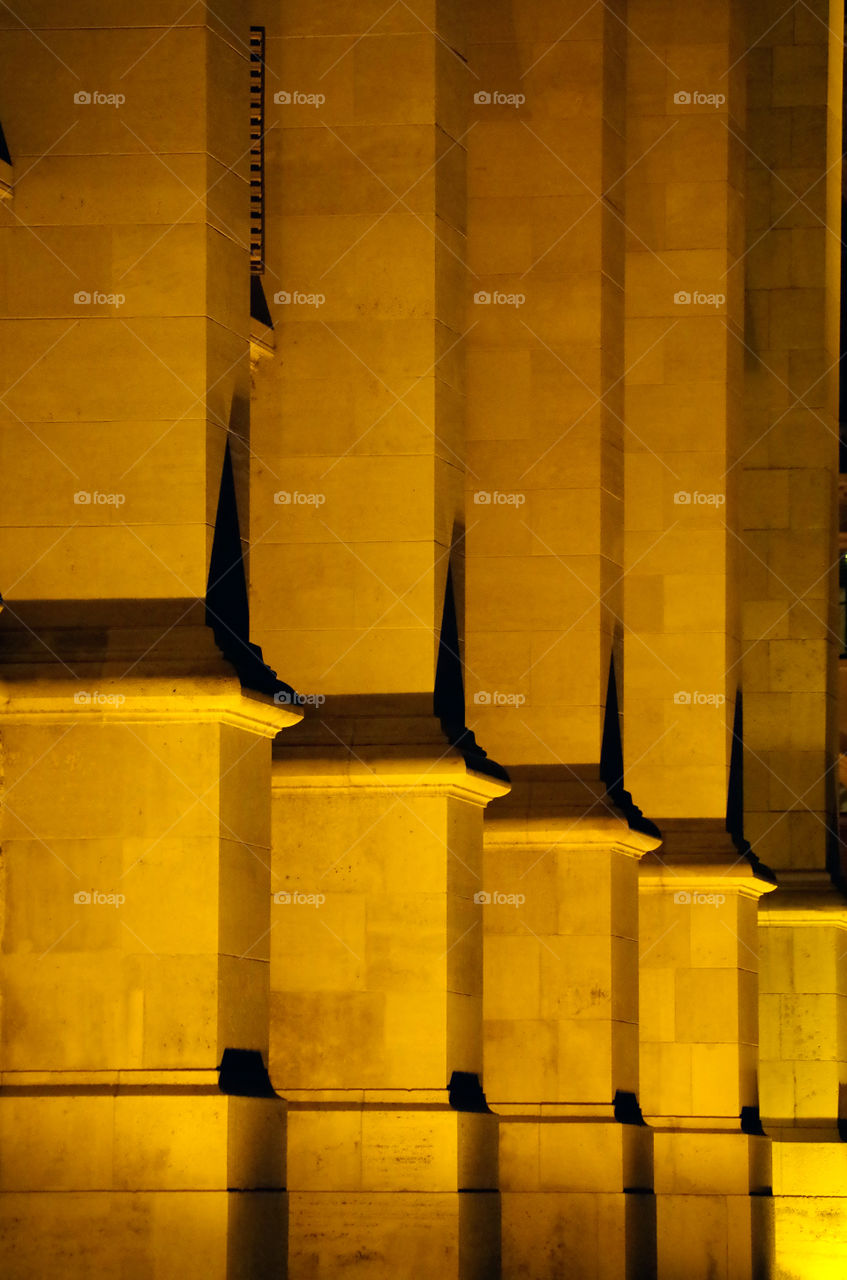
point(473, 972)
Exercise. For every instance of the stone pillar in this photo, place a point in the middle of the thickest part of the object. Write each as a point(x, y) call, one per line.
point(138, 1126)
point(698, 980)
point(124, 320)
point(544, 551)
point(376, 948)
point(545, 396)
point(684, 386)
point(561, 1032)
point(358, 421)
point(790, 463)
point(684, 361)
point(791, 640)
point(357, 515)
point(139, 1129)
point(803, 931)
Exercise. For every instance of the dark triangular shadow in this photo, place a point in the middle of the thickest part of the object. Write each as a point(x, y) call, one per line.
point(4, 150)
point(449, 694)
point(735, 795)
point(842, 364)
point(448, 699)
point(227, 604)
point(259, 309)
point(735, 790)
point(611, 762)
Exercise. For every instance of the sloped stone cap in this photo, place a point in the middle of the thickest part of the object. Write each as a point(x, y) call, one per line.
point(132, 658)
point(142, 636)
point(356, 738)
point(560, 805)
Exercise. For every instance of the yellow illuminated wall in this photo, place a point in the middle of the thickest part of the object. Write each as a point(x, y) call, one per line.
point(441, 953)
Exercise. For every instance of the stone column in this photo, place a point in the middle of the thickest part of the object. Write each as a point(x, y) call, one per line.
point(545, 396)
point(684, 386)
point(561, 1032)
point(803, 997)
point(125, 317)
point(791, 640)
point(358, 421)
point(139, 1129)
point(544, 484)
point(376, 998)
point(698, 980)
point(140, 1132)
point(357, 516)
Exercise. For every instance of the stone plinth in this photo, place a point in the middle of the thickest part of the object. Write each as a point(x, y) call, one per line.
point(561, 1029)
point(803, 938)
point(698, 988)
point(376, 994)
point(136, 840)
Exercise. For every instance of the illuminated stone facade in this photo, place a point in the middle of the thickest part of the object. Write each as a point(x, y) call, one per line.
point(510, 944)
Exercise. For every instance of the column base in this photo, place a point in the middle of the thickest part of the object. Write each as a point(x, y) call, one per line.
point(160, 1176)
point(810, 1237)
point(158, 1235)
point(394, 1235)
point(593, 1235)
point(713, 1203)
point(809, 1205)
point(395, 1184)
point(803, 938)
point(577, 1197)
point(716, 1237)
